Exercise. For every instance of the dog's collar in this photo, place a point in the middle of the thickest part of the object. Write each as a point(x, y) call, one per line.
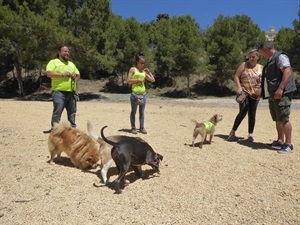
point(215, 124)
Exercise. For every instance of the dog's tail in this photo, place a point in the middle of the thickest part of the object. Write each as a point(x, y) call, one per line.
point(92, 133)
point(60, 127)
point(105, 139)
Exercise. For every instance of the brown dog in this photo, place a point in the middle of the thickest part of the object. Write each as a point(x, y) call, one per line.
point(105, 149)
point(203, 129)
point(79, 146)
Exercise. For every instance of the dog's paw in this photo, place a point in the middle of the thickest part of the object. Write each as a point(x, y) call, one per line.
point(141, 175)
point(59, 159)
point(51, 162)
point(126, 182)
point(118, 191)
point(94, 166)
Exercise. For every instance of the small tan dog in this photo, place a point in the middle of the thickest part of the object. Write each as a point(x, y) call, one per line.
point(106, 160)
point(205, 128)
point(79, 146)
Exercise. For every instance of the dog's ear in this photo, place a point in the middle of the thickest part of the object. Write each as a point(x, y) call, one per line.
point(89, 159)
point(161, 157)
point(214, 118)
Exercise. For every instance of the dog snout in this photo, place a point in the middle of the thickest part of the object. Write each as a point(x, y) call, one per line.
point(94, 166)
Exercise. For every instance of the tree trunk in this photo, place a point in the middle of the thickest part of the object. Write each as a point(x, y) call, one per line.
point(19, 78)
point(188, 85)
point(40, 75)
point(122, 76)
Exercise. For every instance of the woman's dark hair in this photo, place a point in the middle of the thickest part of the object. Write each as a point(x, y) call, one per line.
point(138, 56)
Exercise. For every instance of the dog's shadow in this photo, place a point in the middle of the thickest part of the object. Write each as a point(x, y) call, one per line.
point(63, 161)
point(253, 145)
point(197, 144)
point(132, 177)
point(113, 171)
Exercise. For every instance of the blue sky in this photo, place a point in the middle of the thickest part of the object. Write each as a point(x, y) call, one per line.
point(264, 13)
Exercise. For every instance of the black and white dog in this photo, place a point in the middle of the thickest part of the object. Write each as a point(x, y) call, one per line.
point(134, 153)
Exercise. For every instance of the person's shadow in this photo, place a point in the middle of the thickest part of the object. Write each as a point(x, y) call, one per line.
point(253, 145)
point(125, 130)
point(256, 145)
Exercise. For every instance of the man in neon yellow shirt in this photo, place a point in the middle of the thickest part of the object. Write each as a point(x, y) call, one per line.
point(63, 74)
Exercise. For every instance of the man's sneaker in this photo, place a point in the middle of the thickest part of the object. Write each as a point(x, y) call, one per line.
point(286, 148)
point(143, 131)
point(277, 144)
point(133, 131)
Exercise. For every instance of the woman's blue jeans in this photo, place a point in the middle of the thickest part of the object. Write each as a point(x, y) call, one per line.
point(61, 100)
point(134, 107)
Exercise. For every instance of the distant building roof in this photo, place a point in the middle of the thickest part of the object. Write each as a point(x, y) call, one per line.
point(271, 34)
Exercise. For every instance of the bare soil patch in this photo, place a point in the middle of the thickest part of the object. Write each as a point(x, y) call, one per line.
point(222, 183)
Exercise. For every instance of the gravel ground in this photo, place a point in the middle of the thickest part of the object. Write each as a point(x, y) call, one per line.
point(222, 183)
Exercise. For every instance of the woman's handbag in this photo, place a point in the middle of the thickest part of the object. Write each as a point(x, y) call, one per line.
point(139, 98)
point(240, 98)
